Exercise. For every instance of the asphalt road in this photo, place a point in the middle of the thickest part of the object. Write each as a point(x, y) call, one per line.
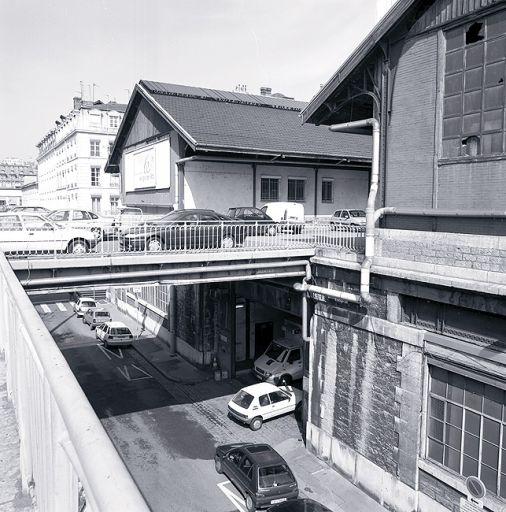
point(165, 431)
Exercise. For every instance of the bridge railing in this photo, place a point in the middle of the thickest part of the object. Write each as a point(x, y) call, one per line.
point(149, 237)
point(66, 456)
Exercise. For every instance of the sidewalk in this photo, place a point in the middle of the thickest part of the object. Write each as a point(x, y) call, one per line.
point(12, 499)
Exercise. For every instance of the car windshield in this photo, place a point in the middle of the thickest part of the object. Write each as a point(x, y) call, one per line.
point(89, 303)
point(273, 476)
point(102, 313)
point(357, 213)
point(120, 330)
point(243, 399)
point(276, 352)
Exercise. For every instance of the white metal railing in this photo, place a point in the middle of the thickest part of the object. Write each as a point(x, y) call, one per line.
point(65, 453)
point(95, 239)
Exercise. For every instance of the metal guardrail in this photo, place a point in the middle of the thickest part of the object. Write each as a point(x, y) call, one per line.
point(66, 456)
point(187, 237)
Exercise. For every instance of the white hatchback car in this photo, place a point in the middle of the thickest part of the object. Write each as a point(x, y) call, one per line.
point(254, 404)
point(114, 333)
point(83, 304)
point(22, 232)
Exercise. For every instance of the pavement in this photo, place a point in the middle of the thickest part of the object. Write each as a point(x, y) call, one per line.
point(316, 479)
point(12, 498)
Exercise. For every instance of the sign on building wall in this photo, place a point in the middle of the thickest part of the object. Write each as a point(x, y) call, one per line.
point(148, 167)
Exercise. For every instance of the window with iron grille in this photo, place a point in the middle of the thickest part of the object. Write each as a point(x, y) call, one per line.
point(296, 189)
point(474, 90)
point(269, 189)
point(94, 148)
point(327, 191)
point(466, 427)
point(95, 176)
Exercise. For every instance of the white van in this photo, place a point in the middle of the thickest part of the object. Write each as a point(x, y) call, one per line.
point(289, 216)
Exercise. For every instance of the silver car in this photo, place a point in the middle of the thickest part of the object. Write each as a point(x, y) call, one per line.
point(96, 316)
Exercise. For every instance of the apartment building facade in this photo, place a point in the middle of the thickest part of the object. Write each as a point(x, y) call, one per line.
point(13, 174)
point(72, 157)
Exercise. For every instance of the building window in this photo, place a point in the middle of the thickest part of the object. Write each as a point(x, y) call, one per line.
point(474, 91)
point(269, 189)
point(327, 191)
point(95, 204)
point(114, 180)
point(113, 122)
point(94, 148)
point(114, 204)
point(95, 176)
point(466, 428)
point(296, 189)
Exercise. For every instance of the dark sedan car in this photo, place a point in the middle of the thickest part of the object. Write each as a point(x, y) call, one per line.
point(259, 223)
point(299, 505)
point(184, 229)
point(259, 472)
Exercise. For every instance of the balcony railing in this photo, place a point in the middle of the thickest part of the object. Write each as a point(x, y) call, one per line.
point(66, 456)
point(101, 239)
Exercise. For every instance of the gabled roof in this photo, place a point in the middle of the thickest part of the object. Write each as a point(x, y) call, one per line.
point(226, 122)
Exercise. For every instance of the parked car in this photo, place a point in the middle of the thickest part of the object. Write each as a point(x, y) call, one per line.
point(96, 316)
point(254, 404)
point(83, 304)
point(129, 216)
point(290, 216)
point(184, 229)
point(114, 333)
point(34, 233)
point(348, 218)
point(82, 218)
point(30, 209)
point(299, 505)
point(259, 473)
point(259, 223)
point(281, 363)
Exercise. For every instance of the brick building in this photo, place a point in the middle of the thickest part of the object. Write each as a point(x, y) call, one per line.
point(407, 391)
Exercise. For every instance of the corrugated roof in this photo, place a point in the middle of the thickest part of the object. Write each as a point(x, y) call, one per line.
point(251, 123)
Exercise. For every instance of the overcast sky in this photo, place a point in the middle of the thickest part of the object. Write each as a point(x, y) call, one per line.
point(48, 46)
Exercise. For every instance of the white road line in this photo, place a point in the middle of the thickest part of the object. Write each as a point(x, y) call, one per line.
point(108, 353)
point(72, 304)
point(236, 500)
point(45, 308)
point(125, 372)
point(60, 306)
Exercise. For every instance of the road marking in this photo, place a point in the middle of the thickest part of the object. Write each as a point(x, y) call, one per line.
point(45, 308)
point(106, 352)
point(236, 500)
point(60, 306)
point(72, 304)
point(126, 373)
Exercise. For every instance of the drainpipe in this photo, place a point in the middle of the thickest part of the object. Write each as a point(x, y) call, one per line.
point(365, 270)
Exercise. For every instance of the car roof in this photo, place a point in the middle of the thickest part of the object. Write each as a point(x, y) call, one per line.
point(260, 388)
point(87, 298)
point(300, 505)
point(116, 324)
point(263, 454)
point(289, 342)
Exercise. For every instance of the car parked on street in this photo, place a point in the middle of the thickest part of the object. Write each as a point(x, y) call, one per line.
point(258, 472)
point(342, 218)
point(258, 222)
point(254, 404)
point(114, 333)
point(83, 304)
point(281, 363)
point(289, 216)
point(22, 232)
point(30, 209)
point(184, 229)
point(82, 218)
point(96, 316)
point(299, 505)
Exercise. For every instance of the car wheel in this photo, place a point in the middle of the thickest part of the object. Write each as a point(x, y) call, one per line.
point(154, 244)
point(77, 247)
point(217, 466)
point(227, 242)
point(84, 321)
point(105, 343)
point(256, 423)
point(271, 230)
point(285, 380)
point(250, 504)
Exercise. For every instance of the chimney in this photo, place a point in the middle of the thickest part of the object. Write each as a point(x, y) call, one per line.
point(77, 102)
point(265, 91)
